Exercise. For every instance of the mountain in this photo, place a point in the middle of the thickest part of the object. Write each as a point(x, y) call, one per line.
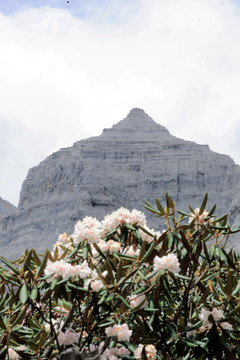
point(6, 208)
point(135, 159)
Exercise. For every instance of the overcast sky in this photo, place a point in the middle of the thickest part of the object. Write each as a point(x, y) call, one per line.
point(68, 69)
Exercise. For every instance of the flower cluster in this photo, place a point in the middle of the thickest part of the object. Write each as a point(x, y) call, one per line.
point(89, 229)
point(66, 270)
point(200, 219)
point(68, 337)
point(217, 315)
point(169, 262)
point(118, 289)
point(150, 351)
point(121, 216)
point(121, 331)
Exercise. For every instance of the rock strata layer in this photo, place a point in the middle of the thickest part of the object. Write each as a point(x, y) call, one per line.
point(135, 159)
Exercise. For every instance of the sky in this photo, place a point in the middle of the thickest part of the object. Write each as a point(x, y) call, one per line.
point(68, 69)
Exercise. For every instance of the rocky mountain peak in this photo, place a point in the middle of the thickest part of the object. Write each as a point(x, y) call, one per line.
point(137, 126)
point(135, 159)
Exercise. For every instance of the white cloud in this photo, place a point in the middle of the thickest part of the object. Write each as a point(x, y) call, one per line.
point(63, 78)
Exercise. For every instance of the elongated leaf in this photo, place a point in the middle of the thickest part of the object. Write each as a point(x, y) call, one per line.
point(204, 203)
point(2, 323)
point(143, 249)
point(85, 250)
point(34, 293)
point(229, 285)
point(123, 300)
point(43, 265)
point(119, 271)
point(149, 251)
point(123, 280)
point(237, 288)
point(191, 209)
point(211, 212)
point(151, 208)
point(19, 317)
point(9, 265)
point(169, 201)
point(159, 206)
point(185, 242)
point(23, 294)
point(77, 287)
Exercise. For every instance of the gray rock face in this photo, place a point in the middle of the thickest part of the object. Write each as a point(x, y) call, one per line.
point(135, 159)
point(6, 208)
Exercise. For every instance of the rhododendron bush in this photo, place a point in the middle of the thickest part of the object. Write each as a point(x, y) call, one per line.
point(119, 289)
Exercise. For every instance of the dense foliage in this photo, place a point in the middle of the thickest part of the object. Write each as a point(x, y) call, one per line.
point(127, 291)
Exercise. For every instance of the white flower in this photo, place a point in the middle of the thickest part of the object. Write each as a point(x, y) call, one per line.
point(48, 326)
point(226, 326)
point(94, 281)
point(63, 238)
point(82, 270)
point(121, 331)
point(13, 355)
point(58, 268)
point(137, 217)
point(102, 246)
point(67, 338)
point(113, 246)
point(150, 350)
point(199, 218)
point(138, 351)
point(89, 229)
point(110, 354)
point(168, 262)
point(64, 269)
point(96, 285)
point(132, 252)
point(217, 315)
point(135, 300)
point(119, 217)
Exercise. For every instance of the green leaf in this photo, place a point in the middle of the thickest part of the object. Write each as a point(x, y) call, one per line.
point(149, 207)
point(77, 287)
point(9, 265)
point(169, 201)
point(229, 285)
point(185, 242)
point(211, 212)
point(191, 209)
point(204, 203)
point(54, 283)
point(85, 250)
point(237, 288)
point(149, 251)
point(2, 323)
point(20, 317)
point(119, 271)
point(129, 227)
point(123, 280)
point(159, 206)
point(43, 264)
point(75, 250)
point(123, 300)
point(23, 294)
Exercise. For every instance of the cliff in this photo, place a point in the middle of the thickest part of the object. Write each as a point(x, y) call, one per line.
point(135, 159)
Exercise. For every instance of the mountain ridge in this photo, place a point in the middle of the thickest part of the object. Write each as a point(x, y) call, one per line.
point(136, 158)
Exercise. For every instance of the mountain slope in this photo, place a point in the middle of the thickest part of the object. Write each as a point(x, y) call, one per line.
point(135, 159)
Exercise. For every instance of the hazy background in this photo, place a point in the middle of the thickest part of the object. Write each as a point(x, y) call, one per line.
point(70, 68)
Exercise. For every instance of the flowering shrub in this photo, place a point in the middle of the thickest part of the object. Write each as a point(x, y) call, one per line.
point(125, 291)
